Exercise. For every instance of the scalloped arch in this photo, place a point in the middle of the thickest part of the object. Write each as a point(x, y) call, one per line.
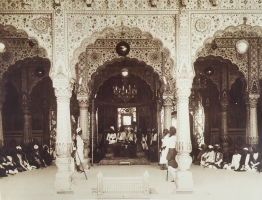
point(22, 49)
point(17, 65)
point(109, 31)
point(239, 31)
point(117, 60)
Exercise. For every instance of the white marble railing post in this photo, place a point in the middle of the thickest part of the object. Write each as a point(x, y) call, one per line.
point(63, 91)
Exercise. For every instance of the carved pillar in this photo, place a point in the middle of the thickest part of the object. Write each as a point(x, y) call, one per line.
point(184, 179)
point(247, 120)
point(93, 126)
point(167, 112)
point(27, 137)
point(252, 133)
point(63, 92)
point(83, 104)
point(1, 127)
point(207, 122)
point(224, 124)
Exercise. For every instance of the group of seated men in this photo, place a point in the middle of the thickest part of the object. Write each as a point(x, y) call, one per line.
point(127, 142)
point(213, 157)
point(18, 159)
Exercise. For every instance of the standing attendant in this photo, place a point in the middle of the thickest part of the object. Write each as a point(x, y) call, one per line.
point(79, 149)
point(171, 155)
point(164, 149)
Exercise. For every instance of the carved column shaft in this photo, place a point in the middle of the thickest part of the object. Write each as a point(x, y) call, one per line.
point(252, 136)
point(184, 179)
point(1, 127)
point(27, 137)
point(93, 126)
point(167, 113)
point(224, 123)
point(83, 104)
point(63, 92)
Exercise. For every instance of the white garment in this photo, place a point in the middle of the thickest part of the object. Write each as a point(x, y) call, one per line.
point(172, 141)
point(79, 150)
point(143, 142)
point(164, 152)
point(235, 163)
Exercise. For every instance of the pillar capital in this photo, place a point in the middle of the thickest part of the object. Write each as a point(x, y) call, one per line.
point(63, 86)
point(168, 101)
point(83, 102)
point(253, 99)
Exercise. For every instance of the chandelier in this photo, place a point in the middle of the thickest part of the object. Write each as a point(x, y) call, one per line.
point(126, 91)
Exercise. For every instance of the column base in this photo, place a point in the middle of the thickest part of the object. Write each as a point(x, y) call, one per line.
point(63, 182)
point(184, 182)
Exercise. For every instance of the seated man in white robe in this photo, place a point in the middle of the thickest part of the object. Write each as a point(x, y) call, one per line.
point(210, 157)
point(235, 163)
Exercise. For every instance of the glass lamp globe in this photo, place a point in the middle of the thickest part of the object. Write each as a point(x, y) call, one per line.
point(124, 72)
point(242, 46)
point(2, 47)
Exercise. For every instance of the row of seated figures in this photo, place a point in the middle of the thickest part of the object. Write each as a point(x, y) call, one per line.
point(127, 144)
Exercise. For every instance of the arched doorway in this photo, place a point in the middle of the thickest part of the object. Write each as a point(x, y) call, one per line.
point(28, 103)
point(218, 92)
point(127, 102)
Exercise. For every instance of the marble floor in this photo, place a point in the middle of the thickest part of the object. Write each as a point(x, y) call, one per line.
point(208, 184)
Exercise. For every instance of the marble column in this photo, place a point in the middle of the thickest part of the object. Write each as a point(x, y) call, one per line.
point(184, 179)
point(224, 124)
point(93, 127)
point(63, 91)
point(84, 124)
point(27, 137)
point(167, 112)
point(252, 133)
point(1, 127)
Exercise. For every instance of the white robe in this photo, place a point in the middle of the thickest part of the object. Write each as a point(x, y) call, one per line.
point(79, 150)
point(164, 152)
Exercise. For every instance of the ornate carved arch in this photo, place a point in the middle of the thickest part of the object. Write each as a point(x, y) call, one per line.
point(233, 71)
point(17, 47)
point(226, 40)
point(93, 57)
point(100, 48)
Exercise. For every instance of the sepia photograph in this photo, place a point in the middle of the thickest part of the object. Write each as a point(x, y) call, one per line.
point(130, 99)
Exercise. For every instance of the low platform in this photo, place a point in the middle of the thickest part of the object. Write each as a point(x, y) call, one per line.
point(123, 160)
